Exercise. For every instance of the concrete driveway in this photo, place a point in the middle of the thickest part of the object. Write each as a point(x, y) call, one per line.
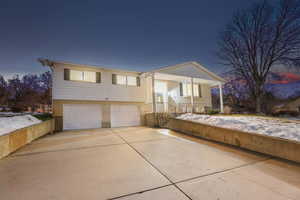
point(142, 163)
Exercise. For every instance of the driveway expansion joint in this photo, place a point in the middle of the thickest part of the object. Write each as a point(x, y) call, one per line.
point(65, 150)
point(182, 181)
point(151, 140)
point(223, 171)
point(140, 192)
point(172, 183)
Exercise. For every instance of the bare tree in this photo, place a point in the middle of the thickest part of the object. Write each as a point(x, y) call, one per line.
point(3, 91)
point(260, 38)
point(46, 85)
point(29, 91)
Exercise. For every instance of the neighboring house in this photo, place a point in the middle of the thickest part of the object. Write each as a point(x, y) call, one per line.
point(87, 96)
point(4, 108)
point(40, 108)
point(290, 107)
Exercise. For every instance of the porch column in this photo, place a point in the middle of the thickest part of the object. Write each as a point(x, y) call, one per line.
point(192, 97)
point(221, 98)
point(153, 94)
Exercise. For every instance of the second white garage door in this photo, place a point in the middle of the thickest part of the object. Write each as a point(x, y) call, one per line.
point(125, 115)
point(81, 116)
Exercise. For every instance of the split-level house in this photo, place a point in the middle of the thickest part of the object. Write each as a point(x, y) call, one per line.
point(87, 96)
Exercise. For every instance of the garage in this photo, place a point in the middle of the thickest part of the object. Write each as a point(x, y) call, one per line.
point(81, 116)
point(125, 115)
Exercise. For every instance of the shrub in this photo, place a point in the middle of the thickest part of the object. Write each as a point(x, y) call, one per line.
point(286, 113)
point(43, 117)
point(213, 112)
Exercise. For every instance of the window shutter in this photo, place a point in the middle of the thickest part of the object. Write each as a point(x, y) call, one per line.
point(98, 77)
point(199, 90)
point(66, 74)
point(114, 79)
point(180, 89)
point(138, 81)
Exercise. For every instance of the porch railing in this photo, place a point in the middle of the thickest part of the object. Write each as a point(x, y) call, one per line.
point(181, 107)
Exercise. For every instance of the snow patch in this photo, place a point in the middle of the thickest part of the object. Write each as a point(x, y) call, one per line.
point(10, 124)
point(260, 125)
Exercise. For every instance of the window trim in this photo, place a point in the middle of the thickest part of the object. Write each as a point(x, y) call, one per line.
point(199, 89)
point(120, 83)
point(183, 87)
point(67, 76)
point(115, 82)
point(136, 81)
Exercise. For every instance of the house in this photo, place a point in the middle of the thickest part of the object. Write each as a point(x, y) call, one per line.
point(4, 108)
point(87, 96)
point(291, 107)
point(40, 108)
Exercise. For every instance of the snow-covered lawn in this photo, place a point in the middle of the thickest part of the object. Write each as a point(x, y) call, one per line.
point(261, 125)
point(293, 118)
point(9, 124)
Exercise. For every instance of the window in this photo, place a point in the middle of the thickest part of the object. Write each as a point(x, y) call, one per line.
point(131, 80)
point(125, 80)
point(87, 76)
point(76, 75)
point(197, 90)
point(121, 80)
point(186, 90)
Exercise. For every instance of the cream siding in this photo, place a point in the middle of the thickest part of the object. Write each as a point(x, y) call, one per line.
point(104, 91)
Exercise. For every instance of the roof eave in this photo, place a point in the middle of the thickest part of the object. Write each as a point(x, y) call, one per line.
point(199, 66)
point(52, 63)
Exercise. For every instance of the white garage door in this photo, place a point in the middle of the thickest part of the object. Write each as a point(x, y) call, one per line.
point(81, 116)
point(125, 115)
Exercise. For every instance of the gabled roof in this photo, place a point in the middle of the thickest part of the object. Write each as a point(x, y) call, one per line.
point(190, 69)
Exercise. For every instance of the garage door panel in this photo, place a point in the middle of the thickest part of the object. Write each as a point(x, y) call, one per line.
point(125, 115)
point(81, 116)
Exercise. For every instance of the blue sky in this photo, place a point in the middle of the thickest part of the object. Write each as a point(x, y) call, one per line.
point(136, 35)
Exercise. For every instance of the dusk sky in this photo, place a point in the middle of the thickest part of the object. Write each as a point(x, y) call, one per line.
point(135, 35)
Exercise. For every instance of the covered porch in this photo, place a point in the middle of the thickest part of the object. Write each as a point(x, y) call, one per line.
point(183, 88)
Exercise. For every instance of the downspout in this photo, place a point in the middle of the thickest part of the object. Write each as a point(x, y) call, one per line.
point(153, 93)
point(192, 97)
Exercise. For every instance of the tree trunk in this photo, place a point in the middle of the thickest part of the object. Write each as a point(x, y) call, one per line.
point(258, 103)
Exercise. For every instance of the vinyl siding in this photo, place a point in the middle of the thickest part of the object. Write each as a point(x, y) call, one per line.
point(104, 91)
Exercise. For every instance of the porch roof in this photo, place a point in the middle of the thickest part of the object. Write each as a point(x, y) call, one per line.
point(186, 71)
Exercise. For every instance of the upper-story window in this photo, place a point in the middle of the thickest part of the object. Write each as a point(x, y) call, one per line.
point(132, 80)
point(121, 80)
point(186, 90)
point(125, 80)
point(86, 76)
